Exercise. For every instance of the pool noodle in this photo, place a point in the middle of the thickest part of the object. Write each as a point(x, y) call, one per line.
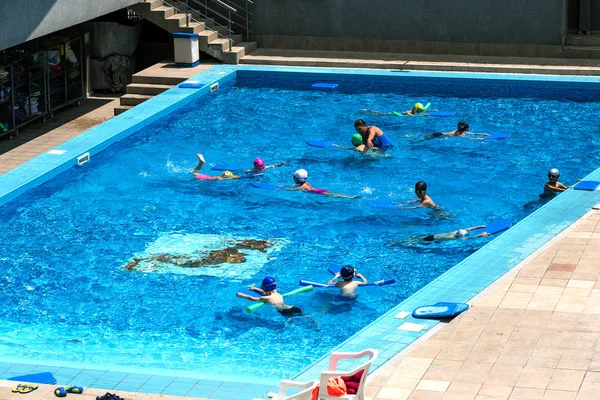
point(302, 289)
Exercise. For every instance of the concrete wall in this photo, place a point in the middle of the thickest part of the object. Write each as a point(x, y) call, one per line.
point(533, 22)
point(24, 20)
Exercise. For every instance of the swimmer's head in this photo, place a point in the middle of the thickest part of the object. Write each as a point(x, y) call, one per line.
point(462, 233)
point(421, 187)
point(553, 173)
point(463, 126)
point(347, 272)
point(227, 174)
point(301, 175)
point(268, 284)
point(361, 126)
point(418, 107)
point(259, 164)
point(356, 139)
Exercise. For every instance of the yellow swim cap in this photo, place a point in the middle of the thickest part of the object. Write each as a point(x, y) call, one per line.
point(419, 107)
point(227, 174)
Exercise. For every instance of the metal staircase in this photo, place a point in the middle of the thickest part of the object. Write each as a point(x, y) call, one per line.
point(222, 25)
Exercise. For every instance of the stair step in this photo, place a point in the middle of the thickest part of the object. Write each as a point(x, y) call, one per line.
point(583, 40)
point(193, 27)
point(154, 3)
point(165, 11)
point(147, 89)
point(205, 37)
point(122, 109)
point(583, 48)
point(237, 52)
point(157, 80)
point(134, 99)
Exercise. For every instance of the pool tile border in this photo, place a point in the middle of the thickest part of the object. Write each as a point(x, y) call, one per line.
point(458, 284)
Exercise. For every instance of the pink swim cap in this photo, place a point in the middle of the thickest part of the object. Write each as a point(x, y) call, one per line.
point(259, 163)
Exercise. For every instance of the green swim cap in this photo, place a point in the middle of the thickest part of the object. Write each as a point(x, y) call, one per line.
point(419, 107)
point(357, 139)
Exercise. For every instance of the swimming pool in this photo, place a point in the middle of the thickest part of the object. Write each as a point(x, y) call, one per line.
point(69, 297)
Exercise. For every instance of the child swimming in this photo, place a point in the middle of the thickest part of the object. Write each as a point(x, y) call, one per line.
point(553, 186)
point(348, 285)
point(203, 177)
point(268, 294)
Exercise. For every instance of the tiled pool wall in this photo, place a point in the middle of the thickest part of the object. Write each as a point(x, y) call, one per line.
point(387, 334)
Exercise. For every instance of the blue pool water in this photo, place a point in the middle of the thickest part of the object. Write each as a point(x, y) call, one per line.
point(67, 297)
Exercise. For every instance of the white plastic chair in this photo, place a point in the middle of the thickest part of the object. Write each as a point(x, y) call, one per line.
point(333, 373)
point(286, 384)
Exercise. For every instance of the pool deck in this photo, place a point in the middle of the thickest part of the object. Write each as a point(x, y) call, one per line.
point(531, 335)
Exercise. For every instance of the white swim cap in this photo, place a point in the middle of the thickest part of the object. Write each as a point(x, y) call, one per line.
point(462, 232)
point(554, 172)
point(301, 175)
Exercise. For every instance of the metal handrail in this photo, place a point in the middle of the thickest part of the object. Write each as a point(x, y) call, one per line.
point(231, 11)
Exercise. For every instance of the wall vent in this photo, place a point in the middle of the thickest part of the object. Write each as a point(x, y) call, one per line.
point(214, 86)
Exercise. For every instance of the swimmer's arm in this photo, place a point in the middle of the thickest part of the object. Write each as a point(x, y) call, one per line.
point(248, 297)
point(362, 278)
point(275, 165)
point(548, 187)
point(345, 148)
point(475, 227)
point(482, 234)
point(469, 138)
point(257, 290)
point(372, 133)
point(337, 275)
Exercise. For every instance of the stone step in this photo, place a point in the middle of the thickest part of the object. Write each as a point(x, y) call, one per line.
point(205, 37)
point(582, 40)
point(193, 27)
point(238, 51)
point(147, 89)
point(582, 48)
point(164, 11)
point(122, 109)
point(175, 22)
point(157, 80)
point(134, 99)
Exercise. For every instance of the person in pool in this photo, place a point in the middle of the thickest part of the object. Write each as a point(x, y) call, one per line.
point(259, 166)
point(357, 142)
point(348, 285)
point(461, 130)
point(268, 294)
point(422, 197)
point(301, 179)
point(417, 109)
point(459, 234)
point(372, 136)
point(203, 177)
point(553, 186)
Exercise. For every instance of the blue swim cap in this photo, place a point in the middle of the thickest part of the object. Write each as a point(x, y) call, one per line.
point(268, 284)
point(347, 272)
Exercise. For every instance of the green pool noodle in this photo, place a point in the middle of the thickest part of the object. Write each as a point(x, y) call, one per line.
point(295, 291)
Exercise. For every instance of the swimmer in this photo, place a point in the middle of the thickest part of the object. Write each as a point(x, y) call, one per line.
point(553, 186)
point(301, 179)
point(417, 109)
point(461, 131)
point(372, 136)
point(459, 234)
point(268, 294)
point(357, 142)
point(259, 166)
point(224, 176)
point(422, 197)
point(348, 285)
